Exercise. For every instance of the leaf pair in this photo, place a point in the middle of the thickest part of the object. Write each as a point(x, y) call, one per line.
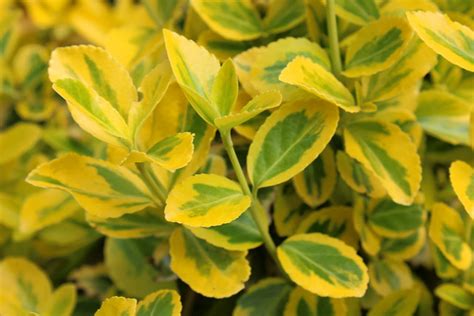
point(240, 20)
point(211, 89)
point(104, 102)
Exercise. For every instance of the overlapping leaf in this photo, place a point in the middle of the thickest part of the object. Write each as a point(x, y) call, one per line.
point(462, 180)
point(289, 140)
point(101, 188)
point(323, 265)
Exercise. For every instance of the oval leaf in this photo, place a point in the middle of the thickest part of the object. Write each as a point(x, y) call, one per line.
point(208, 270)
point(377, 46)
point(101, 188)
point(447, 232)
point(400, 303)
point(163, 302)
point(305, 303)
point(451, 40)
point(389, 153)
point(117, 305)
point(289, 140)
point(323, 265)
point(313, 78)
point(206, 200)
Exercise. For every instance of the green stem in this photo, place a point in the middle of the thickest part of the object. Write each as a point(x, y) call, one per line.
point(334, 52)
point(153, 185)
point(256, 209)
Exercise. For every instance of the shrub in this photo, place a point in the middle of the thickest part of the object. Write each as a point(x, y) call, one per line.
point(157, 154)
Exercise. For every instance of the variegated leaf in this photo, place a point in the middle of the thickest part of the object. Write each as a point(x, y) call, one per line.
point(128, 265)
point(317, 181)
point(443, 268)
point(17, 140)
point(301, 302)
point(357, 177)
point(206, 200)
point(462, 181)
point(24, 284)
point(388, 276)
point(404, 248)
point(240, 234)
point(313, 78)
point(152, 89)
point(444, 115)
point(370, 241)
point(392, 220)
point(99, 91)
point(262, 102)
point(447, 232)
point(148, 222)
point(45, 208)
point(416, 61)
point(259, 68)
point(323, 265)
point(359, 12)
point(9, 32)
point(171, 153)
point(377, 46)
point(451, 40)
point(288, 210)
point(267, 297)
point(334, 221)
point(163, 302)
point(62, 301)
point(117, 305)
point(289, 140)
point(101, 188)
point(389, 153)
point(455, 295)
point(208, 270)
point(399, 303)
point(236, 20)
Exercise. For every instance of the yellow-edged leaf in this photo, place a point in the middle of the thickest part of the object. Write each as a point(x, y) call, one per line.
point(206, 200)
point(447, 232)
point(357, 177)
point(101, 188)
point(163, 302)
point(462, 180)
point(317, 181)
point(152, 88)
point(24, 284)
point(266, 297)
point(455, 295)
point(389, 153)
point(99, 91)
point(208, 270)
point(17, 140)
point(323, 265)
point(334, 221)
point(444, 115)
point(288, 210)
point(236, 20)
point(45, 208)
point(262, 102)
point(62, 301)
point(416, 61)
point(301, 302)
point(400, 303)
point(240, 234)
point(117, 305)
point(377, 46)
point(388, 276)
point(289, 140)
point(450, 39)
point(195, 70)
point(315, 79)
point(259, 68)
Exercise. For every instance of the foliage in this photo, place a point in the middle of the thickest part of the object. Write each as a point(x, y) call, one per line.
point(303, 157)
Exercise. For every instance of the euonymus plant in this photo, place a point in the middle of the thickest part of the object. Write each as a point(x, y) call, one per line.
point(237, 157)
